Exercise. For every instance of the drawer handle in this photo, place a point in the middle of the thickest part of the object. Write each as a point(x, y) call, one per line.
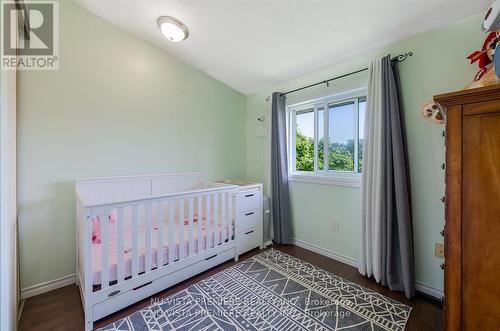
point(211, 257)
point(249, 232)
point(138, 287)
point(248, 214)
point(249, 195)
point(112, 294)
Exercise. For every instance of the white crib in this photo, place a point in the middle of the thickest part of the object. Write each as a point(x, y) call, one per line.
point(139, 235)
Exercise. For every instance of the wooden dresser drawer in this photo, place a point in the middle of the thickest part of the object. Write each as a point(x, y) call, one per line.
point(247, 220)
point(248, 240)
point(248, 200)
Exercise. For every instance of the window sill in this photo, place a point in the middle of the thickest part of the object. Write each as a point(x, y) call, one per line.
point(348, 180)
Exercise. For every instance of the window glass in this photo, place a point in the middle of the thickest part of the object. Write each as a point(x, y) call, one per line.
point(328, 136)
point(341, 134)
point(304, 140)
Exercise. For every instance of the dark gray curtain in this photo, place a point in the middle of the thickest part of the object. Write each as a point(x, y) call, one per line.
point(279, 173)
point(397, 237)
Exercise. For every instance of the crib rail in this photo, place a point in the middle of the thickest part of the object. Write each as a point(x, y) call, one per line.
point(136, 239)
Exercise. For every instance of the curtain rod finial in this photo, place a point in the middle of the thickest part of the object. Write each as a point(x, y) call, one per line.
point(402, 57)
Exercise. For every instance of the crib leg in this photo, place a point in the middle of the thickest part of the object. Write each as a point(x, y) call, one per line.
point(89, 324)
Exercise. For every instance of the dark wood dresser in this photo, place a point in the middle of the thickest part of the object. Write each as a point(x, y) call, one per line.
point(472, 213)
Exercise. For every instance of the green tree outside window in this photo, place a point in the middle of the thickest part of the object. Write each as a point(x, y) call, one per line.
point(341, 155)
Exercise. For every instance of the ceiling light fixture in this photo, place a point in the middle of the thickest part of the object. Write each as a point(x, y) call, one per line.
point(173, 29)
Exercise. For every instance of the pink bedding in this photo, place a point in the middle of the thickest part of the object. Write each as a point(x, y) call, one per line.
point(216, 233)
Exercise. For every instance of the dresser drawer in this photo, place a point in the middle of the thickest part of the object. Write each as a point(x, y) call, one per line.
point(247, 220)
point(248, 200)
point(248, 240)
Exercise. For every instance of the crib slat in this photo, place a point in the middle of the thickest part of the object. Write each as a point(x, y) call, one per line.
point(159, 247)
point(87, 258)
point(135, 248)
point(191, 226)
point(230, 225)
point(181, 228)
point(171, 220)
point(105, 251)
point(223, 218)
point(147, 231)
point(120, 219)
point(200, 222)
point(216, 219)
point(208, 222)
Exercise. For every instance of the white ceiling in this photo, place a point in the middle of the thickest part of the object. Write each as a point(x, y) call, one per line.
point(251, 45)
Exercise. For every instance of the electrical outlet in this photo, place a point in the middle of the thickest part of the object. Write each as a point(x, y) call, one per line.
point(335, 226)
point(439, 250)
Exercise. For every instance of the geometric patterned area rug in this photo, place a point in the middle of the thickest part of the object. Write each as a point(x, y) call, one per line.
point(271, 291)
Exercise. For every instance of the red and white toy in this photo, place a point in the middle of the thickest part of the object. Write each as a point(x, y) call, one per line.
point(485, 58)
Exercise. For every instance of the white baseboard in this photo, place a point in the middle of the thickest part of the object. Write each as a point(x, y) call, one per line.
point(268, 243)
point(328, 253)
point(426, 289)
point(430, 291)
point(47, 286)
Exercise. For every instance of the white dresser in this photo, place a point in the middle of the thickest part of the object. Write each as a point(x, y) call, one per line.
point(247, 216)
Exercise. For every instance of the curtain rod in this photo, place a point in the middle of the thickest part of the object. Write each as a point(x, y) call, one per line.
point(398, 58)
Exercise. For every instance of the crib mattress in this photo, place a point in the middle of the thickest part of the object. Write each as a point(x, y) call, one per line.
point(213, 234)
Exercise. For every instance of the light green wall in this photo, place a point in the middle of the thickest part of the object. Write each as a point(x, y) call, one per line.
point(117, 106)
point(439, 65)
point(120, 106)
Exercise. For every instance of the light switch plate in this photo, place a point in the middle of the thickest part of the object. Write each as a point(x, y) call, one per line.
point(439, 250)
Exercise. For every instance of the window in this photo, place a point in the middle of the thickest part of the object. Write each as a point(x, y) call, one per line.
point(304, 145)
point(326, 138)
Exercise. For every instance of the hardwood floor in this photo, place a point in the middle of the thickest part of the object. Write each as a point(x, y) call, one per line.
point(61, 309)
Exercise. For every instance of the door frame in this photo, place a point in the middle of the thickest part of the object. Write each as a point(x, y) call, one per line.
point(9, 283)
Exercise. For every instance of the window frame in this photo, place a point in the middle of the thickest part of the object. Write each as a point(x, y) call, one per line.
point(330, 177)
